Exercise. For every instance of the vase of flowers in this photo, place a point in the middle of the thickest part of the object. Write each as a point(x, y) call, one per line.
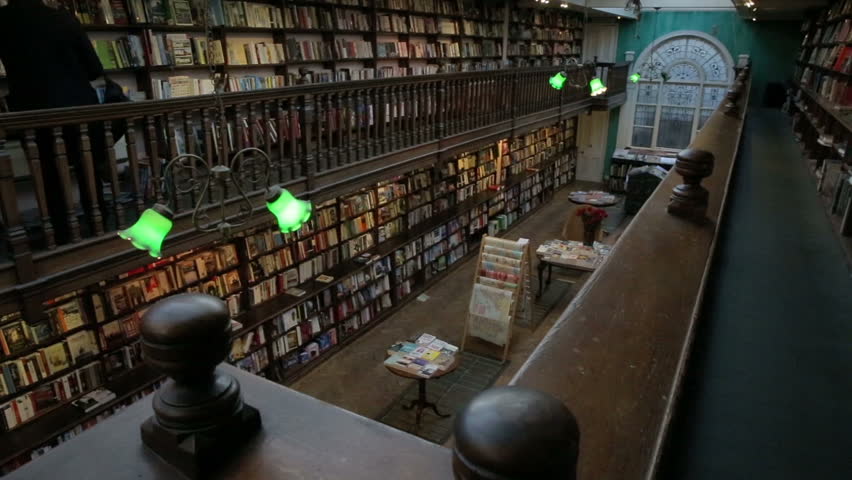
point(592, 218)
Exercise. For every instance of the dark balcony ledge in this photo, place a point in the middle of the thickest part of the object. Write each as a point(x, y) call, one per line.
point(617, 355)
point(301, 438)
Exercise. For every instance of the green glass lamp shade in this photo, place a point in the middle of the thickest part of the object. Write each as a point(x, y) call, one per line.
point(597, 86)
point(289, 210)
point(558, 81)
point(150, 230)
point(635, 78)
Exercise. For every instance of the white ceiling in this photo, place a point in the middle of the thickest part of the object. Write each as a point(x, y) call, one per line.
point(778, 9)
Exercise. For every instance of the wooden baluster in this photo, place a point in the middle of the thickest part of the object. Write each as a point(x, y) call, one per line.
point(383, 120)
point(411, 110)
point(449, 108)
point(285, 161)
point(268, 136)
point(441, 100)
point(433, 121)
point(294, 123)
point(396, 118)
point(340, 154)
point(373, 116)
point(419, 112)
point(133, 162)
point(189, 141)
point(16, 235)
point(112, 168)
point(211, 148)
point(351, 147)
point(154, 157)
point(331, 148)
point(473, 106)
point(31, 150)
point(321, 150)
point(359, 125)
point(171, 141)
point(307, 115)
point(92, 184)
point(64, 172)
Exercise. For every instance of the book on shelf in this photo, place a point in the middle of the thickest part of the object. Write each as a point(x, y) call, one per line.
point(94, 399)
point(308, 18)
point(255, 53)
point(125, 52)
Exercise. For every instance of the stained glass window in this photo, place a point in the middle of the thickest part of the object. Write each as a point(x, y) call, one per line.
point(684, 78)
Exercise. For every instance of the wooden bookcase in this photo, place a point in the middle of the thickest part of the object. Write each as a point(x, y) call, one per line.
point(386, 38)
point(821, 106)
point(295, 298)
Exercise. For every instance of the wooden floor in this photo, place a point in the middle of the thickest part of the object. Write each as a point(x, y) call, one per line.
point(355, 378)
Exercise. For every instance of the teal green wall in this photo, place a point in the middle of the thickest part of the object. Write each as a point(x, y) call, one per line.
point(771, 45)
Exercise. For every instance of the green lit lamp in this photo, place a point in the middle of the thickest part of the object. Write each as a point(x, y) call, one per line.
point(289, 210)
point(150, 230)
point(597, 86)
point(558, 81)
point(635, 78)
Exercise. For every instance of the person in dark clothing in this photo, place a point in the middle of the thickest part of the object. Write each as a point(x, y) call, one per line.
point(49, 63)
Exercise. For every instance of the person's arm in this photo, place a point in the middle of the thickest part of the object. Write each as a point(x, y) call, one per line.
point(85, 50)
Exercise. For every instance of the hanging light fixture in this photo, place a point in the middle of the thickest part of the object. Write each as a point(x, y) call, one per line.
point(190, 173)
point(291, 212)
point(557, 81)
point(150, 230)
point(597, 87)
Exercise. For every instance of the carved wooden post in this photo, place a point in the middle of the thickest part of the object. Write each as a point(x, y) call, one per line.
point(15, 234)
point(731, 99)
point(689, 200)
point(31, 150)
point(309, 168)
point(515, 433)
point(92, 181)
point(199, 419)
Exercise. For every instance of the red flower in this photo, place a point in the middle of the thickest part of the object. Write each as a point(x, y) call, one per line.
point(591, 215)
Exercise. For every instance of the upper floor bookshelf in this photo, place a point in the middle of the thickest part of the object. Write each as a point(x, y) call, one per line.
point(158, 48)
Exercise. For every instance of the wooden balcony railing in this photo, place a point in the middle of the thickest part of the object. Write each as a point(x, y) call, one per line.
point(615, 358)
point(319, 139)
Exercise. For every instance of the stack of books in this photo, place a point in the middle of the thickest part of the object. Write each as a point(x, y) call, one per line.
point(424, 357)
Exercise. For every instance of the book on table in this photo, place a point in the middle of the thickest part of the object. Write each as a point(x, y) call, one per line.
point(425, 357)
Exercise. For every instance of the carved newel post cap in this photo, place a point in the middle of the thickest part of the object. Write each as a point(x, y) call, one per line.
point(199, 419)
point(689, 199)
point(515, 433)
point(186, 335)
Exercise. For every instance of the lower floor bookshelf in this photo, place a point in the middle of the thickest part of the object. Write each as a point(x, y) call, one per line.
point(285, 332)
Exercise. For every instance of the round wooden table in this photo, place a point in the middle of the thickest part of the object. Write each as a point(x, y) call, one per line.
point(421, 402)
point(596, 198)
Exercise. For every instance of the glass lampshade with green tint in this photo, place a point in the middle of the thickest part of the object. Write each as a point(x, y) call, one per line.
point(597, 86)
point(150, 230)
point(635, 78)
point(289, 210)
point(558, 81)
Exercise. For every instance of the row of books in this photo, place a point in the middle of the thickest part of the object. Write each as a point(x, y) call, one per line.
point(310, 18)
point(546, 18)
point(523, 49)
point(256, 53)
point(448, 7)
point(25, 408)
point(245, 14)
point(18, 336)
point(833, 33)
point(125, 52)
point(121, 12)
point(837, 58)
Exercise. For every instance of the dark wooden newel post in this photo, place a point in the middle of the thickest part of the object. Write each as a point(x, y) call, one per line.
point(199, 419)
point(515, 433)
point(689, 199)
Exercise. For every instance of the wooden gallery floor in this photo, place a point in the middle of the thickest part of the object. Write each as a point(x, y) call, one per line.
point(355, 378)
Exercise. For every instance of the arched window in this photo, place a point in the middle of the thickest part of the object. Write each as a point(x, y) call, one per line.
point(684, 77)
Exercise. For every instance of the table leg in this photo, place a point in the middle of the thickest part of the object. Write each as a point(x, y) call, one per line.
point(540, 278)
point(549, 273)
point(421, 403)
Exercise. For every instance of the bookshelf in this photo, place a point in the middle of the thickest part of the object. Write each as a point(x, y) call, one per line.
point(157, 49)
point(821, 106)
point(295, 298)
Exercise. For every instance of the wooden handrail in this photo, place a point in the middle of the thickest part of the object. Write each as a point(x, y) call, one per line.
point(617, 355)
